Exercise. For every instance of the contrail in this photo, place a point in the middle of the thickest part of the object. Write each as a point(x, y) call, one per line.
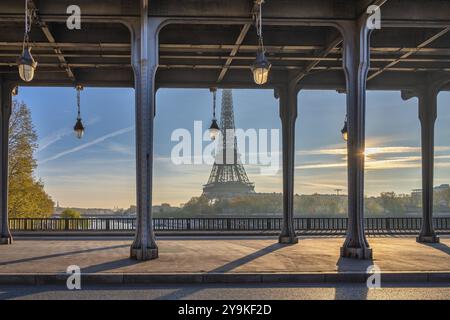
point(86, 145)
point(51, 139)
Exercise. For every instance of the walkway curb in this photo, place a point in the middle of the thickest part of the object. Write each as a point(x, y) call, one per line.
point(221, 278)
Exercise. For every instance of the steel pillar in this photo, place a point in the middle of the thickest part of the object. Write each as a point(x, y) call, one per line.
point(288, 114)
point(427, 117)
point(427, 96)
point(145, 62)
point(356, 61)
point(5, 113)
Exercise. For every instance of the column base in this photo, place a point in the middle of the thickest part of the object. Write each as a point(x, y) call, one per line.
point(356, 253)
point(143, 254)
point(6, 240)
point(428, 239)
point(287, 239)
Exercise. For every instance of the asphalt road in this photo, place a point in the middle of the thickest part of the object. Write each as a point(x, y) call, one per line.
point(231, 292)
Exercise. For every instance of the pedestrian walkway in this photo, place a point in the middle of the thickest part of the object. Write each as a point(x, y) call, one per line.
point(221, 255)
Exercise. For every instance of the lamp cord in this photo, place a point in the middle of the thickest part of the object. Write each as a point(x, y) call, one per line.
point(258, 21)
point(214, 104)
point(29, 14)
point(27, 26)
point(26, 17)
point(78, 102)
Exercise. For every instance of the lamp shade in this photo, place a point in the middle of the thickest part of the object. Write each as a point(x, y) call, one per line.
point(26, 65)
point(214, 130)
point(79, 129)
point(344, 131)
point(260, 68)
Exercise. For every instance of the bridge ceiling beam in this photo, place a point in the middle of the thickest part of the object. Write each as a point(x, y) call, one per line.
point(234, 51)
point(403, 10)
point(221, 51)
point(48, 34)
point(166, 47)
point(409, 53)
point(321, 57)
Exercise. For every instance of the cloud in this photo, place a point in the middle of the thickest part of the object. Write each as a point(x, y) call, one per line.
point(385, 164)
point(394, 163)
point(322, 165)
point(369, 150)
point(323, 185)
point(370, 164)
point(123, 149)
point(340, 151)
point(88, 144)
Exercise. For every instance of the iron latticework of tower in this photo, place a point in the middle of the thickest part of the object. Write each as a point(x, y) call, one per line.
point(228, 177)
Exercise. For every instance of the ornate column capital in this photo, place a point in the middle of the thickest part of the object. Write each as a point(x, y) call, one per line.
point(432, 83)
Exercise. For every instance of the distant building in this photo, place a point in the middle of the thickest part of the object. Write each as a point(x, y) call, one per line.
point(442, 187)
point(416, 195)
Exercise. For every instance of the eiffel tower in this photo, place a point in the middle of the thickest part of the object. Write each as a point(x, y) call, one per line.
point(227, 178)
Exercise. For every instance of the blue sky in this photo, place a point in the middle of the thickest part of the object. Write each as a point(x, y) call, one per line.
point(99, 170)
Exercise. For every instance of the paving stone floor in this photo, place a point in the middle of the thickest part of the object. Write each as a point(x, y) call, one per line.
point(221, 255)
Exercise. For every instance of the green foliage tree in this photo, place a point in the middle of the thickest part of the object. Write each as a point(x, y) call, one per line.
point(314, 205)
point(27, 197)
point(391, 203)
point(373, 206)
point(70, 214)
point(441, 200)
point(199, 205)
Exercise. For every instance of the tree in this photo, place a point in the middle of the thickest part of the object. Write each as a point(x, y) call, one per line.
point(373, 207)
point(199, 205)
point(391, 203)
point(70, 214)
point(27, 197)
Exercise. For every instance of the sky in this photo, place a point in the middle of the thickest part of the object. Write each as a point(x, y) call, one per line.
point(98, 171)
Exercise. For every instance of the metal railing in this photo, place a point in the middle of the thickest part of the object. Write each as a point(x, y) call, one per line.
point(322, 225)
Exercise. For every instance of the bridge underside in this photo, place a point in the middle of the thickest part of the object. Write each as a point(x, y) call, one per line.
point(323, 44)
point(203, 45)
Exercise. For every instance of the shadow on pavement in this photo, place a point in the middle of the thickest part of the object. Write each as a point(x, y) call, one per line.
point(244, 260)
point(55, 255)
point(185, 292)
point(109, 265)
point(439, 246)
point(348, 265)
point(353, 265)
